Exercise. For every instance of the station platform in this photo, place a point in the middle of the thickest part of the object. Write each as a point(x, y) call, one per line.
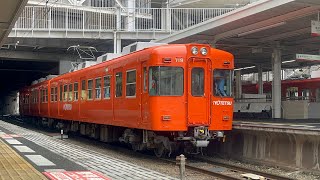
point(26, 154)
point(295, 126)
point(293, 144)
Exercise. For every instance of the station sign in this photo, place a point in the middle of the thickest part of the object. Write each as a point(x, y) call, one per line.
point(308, 57)
point(315, 28)
point(75, 175)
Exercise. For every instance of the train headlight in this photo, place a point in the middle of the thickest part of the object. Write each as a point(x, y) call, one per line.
point(204, 51)
point(194, 50)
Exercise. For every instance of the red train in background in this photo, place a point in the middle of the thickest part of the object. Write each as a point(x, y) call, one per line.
point(290, 89)
point(161, 98)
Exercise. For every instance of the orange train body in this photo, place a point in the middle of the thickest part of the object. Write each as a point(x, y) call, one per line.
point(159, 89)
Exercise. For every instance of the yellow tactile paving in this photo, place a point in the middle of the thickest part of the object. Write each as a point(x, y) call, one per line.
point(13, 166)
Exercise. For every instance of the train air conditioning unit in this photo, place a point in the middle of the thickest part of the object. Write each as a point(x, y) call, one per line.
point(139, 46)
point(107, 57)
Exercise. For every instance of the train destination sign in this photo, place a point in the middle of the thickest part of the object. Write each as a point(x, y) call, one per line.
point(315, 28)
point(308, 57)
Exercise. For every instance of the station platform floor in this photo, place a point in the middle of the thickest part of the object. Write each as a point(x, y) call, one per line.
point(291, 126)
point(26, 154)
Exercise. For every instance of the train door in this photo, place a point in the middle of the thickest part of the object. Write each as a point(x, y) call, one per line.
point(60, 99)
point(144, 93)
point(83, 97)
point(118, 106)
point(198, 91)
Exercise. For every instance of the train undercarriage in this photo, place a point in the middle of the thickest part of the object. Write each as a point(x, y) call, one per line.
point(162, 143)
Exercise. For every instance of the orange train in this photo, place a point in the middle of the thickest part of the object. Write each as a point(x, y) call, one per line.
point(159, 98)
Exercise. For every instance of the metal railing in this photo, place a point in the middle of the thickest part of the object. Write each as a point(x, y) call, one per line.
point(35, 18)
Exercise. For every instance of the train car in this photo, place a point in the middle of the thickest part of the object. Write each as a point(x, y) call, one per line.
point(290, 89)
point(161, 98)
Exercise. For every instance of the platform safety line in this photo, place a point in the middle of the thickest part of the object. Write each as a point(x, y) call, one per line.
point(24, 162)
point(38, 160)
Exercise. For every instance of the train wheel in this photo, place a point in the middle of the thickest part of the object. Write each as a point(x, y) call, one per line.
point(160, 150)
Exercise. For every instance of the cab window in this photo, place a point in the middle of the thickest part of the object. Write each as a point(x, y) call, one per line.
point(222, 79)
point(165, 81)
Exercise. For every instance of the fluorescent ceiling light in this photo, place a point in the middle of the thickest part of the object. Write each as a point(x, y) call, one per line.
point(284, 62)
point(261, 29)
point(250, 67)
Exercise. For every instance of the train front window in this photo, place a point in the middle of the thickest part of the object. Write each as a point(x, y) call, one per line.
point(165, 81)
point(222, 79)
point(197, 80)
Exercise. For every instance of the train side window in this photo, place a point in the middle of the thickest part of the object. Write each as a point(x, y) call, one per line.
point(55, 94)
point(119, 84)
point(106, 87)
point(41, 96)
point(65, 92)
point(60, 91)
point(83, 90)
point(75, 91)
point(131, 83)
point(46, 95)
point(70, 92)
point(318, 95)
point(145, 82)
point(98, 88)
point(52, 95)
point(90, 85)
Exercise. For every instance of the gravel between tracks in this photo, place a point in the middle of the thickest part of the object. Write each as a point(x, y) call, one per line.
point(133, 157)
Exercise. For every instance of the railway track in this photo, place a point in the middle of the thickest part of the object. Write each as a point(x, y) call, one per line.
point(224, 171)
point(198, 164)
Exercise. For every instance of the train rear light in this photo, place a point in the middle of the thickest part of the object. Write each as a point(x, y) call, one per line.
point(226, 118)
point(166, 60)
point(166, 118)
point(204, 51)
point(226, 62)
point(194, 50)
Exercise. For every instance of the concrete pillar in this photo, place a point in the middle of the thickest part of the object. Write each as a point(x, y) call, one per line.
point(260, 82)
point(64, 66)
point(118, 44)
point(238, 84)
point(118, 10)
point(168, 18)
point(276, 83)
point(131, 15)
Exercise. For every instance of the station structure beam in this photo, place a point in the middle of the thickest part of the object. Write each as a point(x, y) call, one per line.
point(238, 84)
point(276, 83)
point(260, 82)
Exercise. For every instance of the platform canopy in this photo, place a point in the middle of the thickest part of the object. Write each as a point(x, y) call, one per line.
point(10, 11)
point(251, 33)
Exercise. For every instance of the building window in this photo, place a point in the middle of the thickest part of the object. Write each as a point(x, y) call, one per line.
point(98, 88)
point(65, 92)
point(83, 90)
point(70, 92)
point(90, 85)
point(75, 91)
point(131, 83)
point(106, 86)
point(119, 84)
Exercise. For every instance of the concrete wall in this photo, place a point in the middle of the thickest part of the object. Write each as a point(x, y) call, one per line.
point(9, 104)
point(278, 149)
